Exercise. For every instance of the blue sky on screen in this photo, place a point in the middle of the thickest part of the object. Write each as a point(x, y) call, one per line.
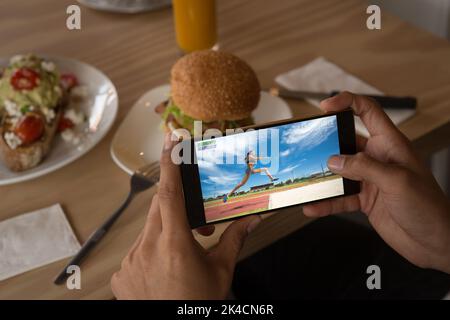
point(303, 149)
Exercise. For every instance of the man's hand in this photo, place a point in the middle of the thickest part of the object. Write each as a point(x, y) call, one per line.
point(401, 198)
point(166, 262)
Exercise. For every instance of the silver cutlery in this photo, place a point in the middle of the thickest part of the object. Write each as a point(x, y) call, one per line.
point(387, 102)
point(144, 178)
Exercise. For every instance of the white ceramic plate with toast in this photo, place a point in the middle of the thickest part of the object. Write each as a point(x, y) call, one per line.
point(139, 139)
point(100, 107)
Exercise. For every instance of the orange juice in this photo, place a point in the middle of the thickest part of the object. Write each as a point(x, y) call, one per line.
point(195, 24)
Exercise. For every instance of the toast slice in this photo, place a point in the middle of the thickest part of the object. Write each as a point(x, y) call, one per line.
point(26, 157)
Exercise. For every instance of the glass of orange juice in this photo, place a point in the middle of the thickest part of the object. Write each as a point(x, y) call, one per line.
point(195, 24)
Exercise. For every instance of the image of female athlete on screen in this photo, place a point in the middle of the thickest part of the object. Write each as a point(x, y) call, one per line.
point(250, 160)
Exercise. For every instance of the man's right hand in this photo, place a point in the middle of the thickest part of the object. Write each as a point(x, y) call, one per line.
point(400, 196)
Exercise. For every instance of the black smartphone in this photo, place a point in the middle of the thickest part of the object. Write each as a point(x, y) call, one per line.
point(264, 168)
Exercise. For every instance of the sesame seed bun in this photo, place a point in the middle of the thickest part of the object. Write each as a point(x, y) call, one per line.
point(213, 85)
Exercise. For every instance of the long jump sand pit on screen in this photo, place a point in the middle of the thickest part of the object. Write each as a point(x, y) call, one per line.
point(307, 193)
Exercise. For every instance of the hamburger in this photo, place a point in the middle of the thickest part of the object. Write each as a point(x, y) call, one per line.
point(214, 87)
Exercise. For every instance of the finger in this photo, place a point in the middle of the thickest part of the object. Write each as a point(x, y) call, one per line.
point(134, 251)
point(153, 224)
point(114, 284)
point(361, 142)
point(138, 241)
point(360, 167)
point(372, 115)
point(170, 192)
point(232, 240)
point(206, 230)
point(332, 206)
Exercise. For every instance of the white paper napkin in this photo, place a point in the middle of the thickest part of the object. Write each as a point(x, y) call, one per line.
point(35, 239)
point(321, 75)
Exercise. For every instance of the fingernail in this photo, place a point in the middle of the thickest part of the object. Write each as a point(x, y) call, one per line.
point(336, 162)
point(167, 141)
point(253, 224)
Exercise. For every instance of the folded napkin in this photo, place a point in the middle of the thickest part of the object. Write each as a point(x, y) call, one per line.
point(321, 75)
point(35, 239)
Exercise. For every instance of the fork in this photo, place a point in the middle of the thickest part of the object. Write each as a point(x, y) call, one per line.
point(141, 180)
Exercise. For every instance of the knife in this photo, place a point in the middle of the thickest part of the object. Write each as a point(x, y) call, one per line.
point(387, 102)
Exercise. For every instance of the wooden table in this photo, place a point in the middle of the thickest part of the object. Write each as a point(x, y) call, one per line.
point(137, 51)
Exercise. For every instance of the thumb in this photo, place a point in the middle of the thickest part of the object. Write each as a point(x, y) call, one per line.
point(360, 167)
point(232, 240)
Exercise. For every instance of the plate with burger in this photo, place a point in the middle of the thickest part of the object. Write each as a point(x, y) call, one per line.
point(214, 87)
point(52, 111)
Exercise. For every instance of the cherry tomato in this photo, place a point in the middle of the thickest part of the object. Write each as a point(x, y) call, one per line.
point(30, 128)
point(64, 124)
point(24, 79)
point(69, 80)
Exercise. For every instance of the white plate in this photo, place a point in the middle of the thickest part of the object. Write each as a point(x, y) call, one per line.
point(138, 140)
point(100, 107)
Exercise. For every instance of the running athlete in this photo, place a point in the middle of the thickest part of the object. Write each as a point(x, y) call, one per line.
point(250, 160)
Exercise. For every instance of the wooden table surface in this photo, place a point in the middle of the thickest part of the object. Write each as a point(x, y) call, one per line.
point(137, 51)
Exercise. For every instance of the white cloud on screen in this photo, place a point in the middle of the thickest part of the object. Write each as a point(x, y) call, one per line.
point(231, 149)
point(306, 135)
point(289, 169)
point(207, 165)
point(221, 179)
point(285, 153)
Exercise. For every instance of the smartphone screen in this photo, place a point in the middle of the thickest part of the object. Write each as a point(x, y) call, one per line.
point(269, 168)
